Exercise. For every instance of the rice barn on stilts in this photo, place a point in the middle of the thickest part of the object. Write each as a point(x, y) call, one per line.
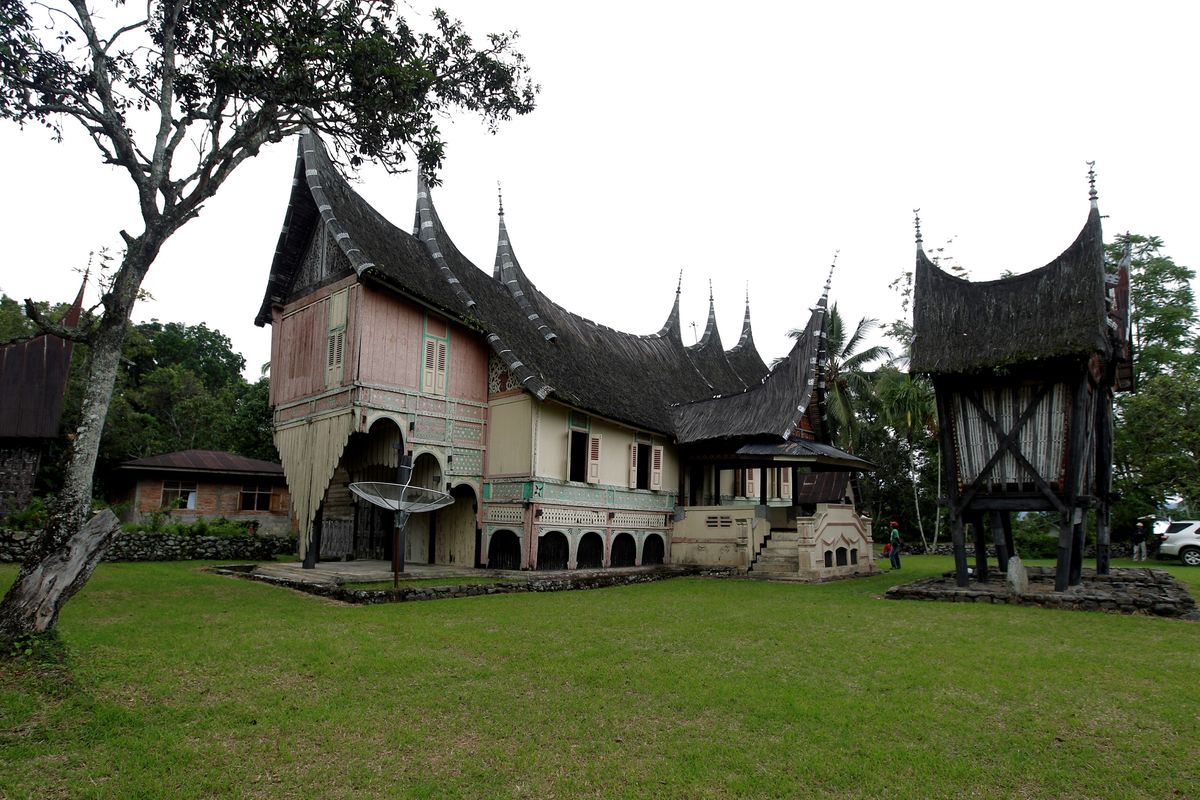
point(1024, 369)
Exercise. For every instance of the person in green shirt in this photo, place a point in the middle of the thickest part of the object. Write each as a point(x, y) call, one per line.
point(895, 542)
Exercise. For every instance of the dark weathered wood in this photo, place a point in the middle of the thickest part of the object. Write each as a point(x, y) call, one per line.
point(958, 537)
point(34, 600)
point(981, 562)
point(998, 539)
point(1103, 479)
point(1006, 522)
point(762, 486)
point(1066, 534)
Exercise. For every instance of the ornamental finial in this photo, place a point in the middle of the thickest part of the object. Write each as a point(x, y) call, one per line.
point(917, 222)
point(500, 197)
point(710, 294)
point(1092, 195)
point(829, 280)
point(679, 285)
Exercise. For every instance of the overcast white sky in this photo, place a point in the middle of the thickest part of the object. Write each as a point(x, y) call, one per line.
point(742, 143)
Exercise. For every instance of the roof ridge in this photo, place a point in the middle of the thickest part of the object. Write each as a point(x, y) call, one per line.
point(508, 271)
point(428, 226)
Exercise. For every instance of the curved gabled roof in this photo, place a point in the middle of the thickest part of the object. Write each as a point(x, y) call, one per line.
point(774, 408)
point(631, 378)
point(1055, 311)
point(744, 357)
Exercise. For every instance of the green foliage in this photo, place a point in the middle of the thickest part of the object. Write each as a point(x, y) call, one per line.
point(1165, 325)
point(158, 522)
point(1156, 441)
point(1035, 535)
point(30, 518)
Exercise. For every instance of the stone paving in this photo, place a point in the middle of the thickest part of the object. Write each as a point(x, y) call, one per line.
point(1137, 590)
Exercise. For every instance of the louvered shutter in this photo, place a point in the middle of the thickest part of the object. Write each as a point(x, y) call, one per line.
point(429, 376)
point(633, 448)
point(593, 464)
point(751, 484)
point(785, 483)
point(656, 468)
point(439, 382)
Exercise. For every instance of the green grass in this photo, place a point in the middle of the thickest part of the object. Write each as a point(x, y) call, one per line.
point(192, 685)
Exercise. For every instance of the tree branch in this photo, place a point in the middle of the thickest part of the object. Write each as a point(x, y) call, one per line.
point(54, 328)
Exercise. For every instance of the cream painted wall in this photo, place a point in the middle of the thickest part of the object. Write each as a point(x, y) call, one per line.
point(510, 435)
point(551, 437)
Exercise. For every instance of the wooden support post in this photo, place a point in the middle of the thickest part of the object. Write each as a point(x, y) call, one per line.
point(960, 549)
point(1103, 479)
point(795, 487)
point(998, 539)
point(1006, 521)
point(981, 563)
point(1078, 531)
point(1066, 538)
point(716, 485)
point(762, 486)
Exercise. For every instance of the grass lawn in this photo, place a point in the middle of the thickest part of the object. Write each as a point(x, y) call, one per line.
point(191, 685)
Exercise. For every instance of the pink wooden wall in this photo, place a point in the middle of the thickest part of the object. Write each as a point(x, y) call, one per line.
point(391, 332)
point(298, 354)
point(468, 365)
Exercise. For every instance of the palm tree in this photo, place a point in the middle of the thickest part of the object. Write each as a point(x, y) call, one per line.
point(908, 408)
point(846, 377)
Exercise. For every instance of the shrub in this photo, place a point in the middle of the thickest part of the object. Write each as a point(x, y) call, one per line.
point(32, 517)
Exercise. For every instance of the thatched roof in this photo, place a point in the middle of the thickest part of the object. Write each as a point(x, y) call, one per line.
point(552, 352)
point(1056, 311)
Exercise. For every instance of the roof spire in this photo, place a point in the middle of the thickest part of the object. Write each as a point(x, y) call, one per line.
point(500, 196)
point(1092, 184)
point(679, 285)
point(917, 222)
point(710, 294)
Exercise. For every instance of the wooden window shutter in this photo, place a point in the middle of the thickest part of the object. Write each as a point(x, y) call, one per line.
point(785, 483)
point(334, 357)
point(276, 504)
point(593, 464)
point(439, 381)
point(429, 372)
point(751, 483)
point(656, 468)
point(633, 448)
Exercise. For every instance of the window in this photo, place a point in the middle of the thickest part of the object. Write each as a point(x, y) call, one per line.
point(256, 497)
point(578, 456)
point(645, 466)
point(583, 451)
point(179, 494)
point(434, 373)
point(335, 343)
point(745, 483)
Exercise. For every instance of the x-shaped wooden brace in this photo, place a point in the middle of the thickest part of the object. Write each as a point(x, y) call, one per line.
point(1008, 442)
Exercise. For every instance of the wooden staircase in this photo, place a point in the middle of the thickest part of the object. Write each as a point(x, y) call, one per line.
point(778, 554)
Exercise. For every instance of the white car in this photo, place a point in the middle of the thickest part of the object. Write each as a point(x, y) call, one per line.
point(1181, 540)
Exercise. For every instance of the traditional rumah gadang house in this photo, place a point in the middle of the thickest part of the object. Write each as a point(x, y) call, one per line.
point(1024, 369)
point(564, 443)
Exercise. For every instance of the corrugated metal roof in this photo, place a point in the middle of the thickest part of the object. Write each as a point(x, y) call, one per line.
point(205, 461)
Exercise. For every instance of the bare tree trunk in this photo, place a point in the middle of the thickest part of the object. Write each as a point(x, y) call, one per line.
point(937, 513)
point(912, 471)
point(33, 602)
point(56, 551)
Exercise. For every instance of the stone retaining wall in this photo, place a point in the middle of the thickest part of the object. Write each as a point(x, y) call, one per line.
point(1137, 590)
point(349, 594)
point(15, 546)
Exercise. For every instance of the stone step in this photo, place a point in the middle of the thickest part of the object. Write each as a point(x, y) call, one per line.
point(784, 535)
point(776, 568)
point(794, 560)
